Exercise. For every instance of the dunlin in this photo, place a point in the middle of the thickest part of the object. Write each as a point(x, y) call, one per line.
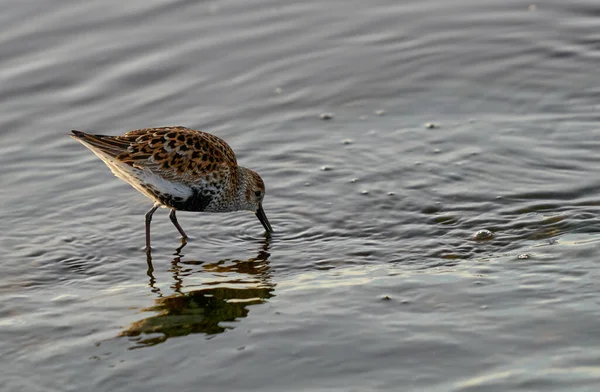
point(181, 169)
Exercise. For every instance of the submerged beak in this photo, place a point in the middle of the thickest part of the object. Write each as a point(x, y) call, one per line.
point(260, 214)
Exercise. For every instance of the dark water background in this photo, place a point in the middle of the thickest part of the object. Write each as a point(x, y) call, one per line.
point(373, 280)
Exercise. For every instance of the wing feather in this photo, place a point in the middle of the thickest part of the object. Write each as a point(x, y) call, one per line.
point(174, 153)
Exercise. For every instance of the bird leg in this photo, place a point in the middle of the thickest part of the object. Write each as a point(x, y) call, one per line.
point(148, 220)
point(177, 226)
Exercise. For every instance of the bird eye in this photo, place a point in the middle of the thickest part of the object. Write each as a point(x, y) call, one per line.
point(257, 193)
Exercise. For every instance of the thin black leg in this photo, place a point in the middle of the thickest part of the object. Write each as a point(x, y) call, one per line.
point(174, 220)
point(148, 220)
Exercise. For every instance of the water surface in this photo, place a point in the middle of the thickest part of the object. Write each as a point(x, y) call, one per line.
point(374, 279)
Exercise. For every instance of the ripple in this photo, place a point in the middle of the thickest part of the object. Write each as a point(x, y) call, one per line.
point(365, 205)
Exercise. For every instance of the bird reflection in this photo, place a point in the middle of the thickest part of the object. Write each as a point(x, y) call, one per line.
point(227, 289)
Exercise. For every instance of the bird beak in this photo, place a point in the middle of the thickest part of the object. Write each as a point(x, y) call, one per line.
point(260, 214)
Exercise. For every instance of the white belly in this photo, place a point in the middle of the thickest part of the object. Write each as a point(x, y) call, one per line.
point(142, 179)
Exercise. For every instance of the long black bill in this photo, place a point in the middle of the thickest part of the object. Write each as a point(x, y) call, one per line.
point(260, 214)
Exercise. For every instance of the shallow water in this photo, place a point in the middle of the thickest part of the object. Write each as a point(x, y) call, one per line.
point(375, 278)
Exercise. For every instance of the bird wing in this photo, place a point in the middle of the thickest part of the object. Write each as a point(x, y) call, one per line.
point(174, 153)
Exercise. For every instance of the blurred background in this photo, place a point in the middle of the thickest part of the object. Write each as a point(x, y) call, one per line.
point(432, 180)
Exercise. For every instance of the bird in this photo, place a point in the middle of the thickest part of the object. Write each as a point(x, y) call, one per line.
point(181, 169)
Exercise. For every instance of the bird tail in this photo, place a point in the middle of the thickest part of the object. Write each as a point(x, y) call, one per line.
point(110, 145)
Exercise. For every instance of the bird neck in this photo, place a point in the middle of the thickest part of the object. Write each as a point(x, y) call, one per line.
point(243, 179)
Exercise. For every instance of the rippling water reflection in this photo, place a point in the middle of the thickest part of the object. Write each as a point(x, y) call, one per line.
point(228, 288)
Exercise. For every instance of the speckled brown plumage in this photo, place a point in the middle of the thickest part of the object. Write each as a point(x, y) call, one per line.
point(174, 152)
point(180, 168)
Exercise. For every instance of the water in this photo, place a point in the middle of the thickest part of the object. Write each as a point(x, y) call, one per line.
point(375, 278)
